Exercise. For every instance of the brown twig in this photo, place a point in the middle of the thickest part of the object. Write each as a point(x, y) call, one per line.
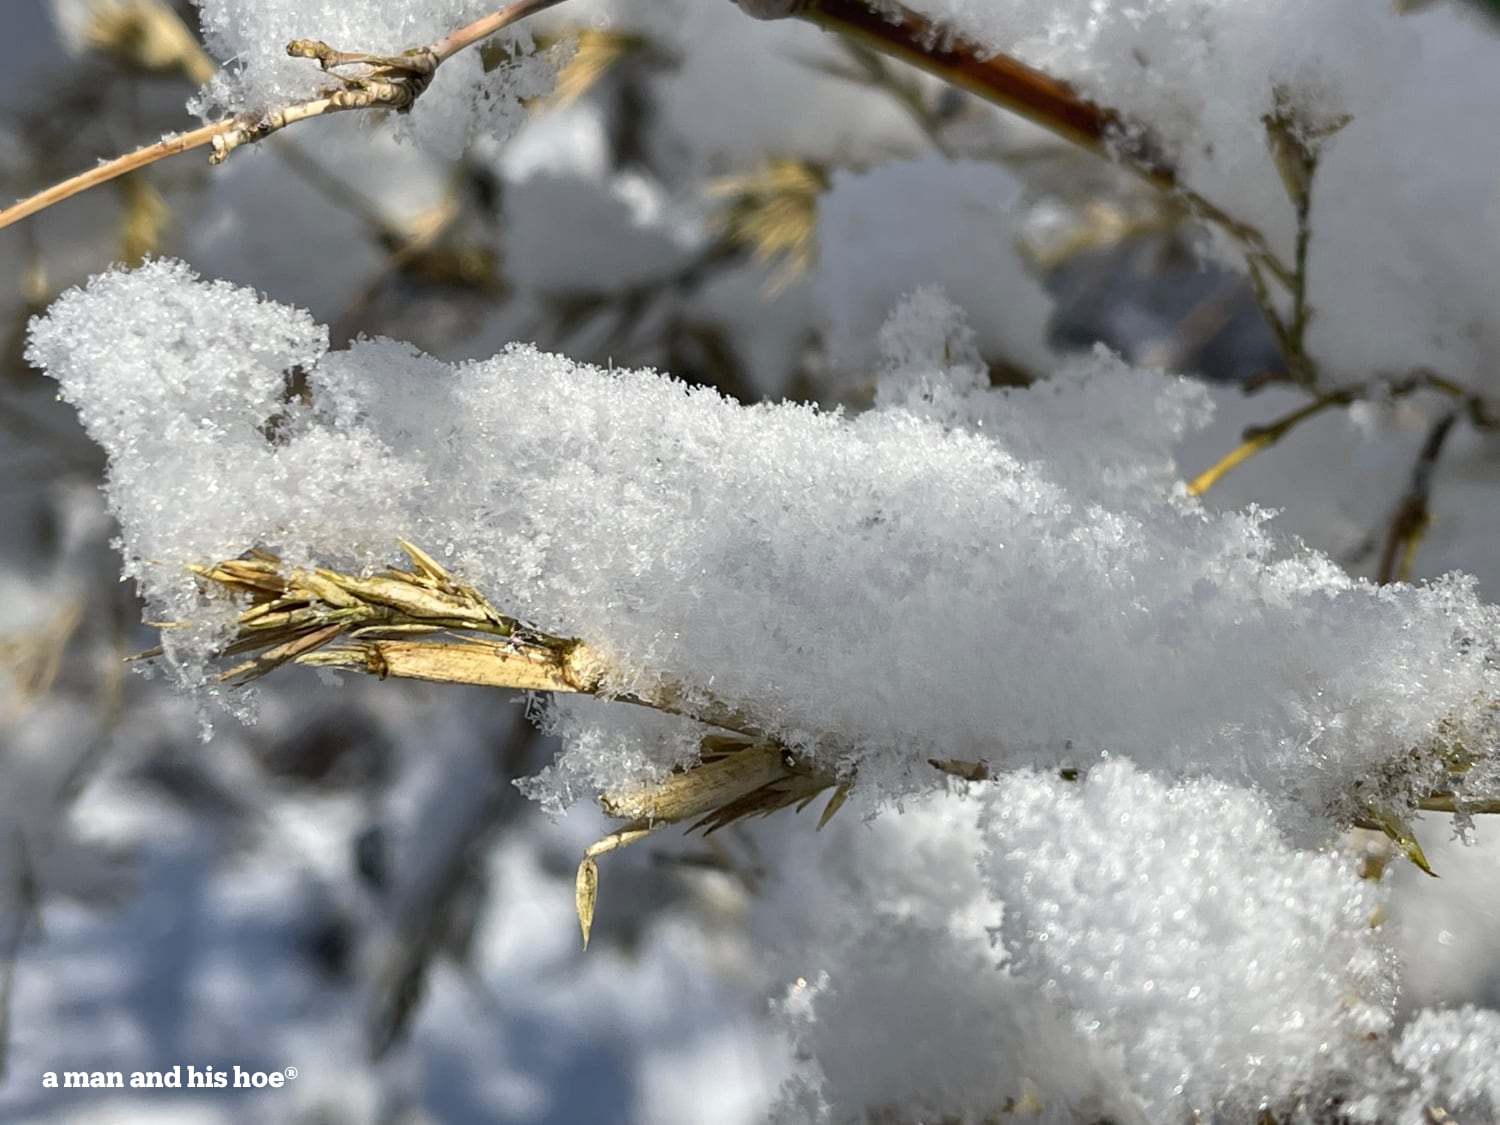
point(1412, 515)
point(382, 82)
point(903, 34)
point(113, 169)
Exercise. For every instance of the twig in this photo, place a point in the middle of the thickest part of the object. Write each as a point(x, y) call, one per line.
point(27, 898)
point(1446, 802)
point(903, 34)
point(113, 169)
point(384, 82)
point(1296, 145)
point(872, 70)
point(1412, 515)
point(1256, 438)
point(1482, 413)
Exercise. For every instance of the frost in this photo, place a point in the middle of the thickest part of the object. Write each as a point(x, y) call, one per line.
point(980, 584)
point(1178, 928)
point(1452, 1059)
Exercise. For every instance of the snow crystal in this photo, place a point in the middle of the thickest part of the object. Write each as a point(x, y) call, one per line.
point(896, 994)
point(1163, 950)
point(1177, 927)
point(1452, 1058)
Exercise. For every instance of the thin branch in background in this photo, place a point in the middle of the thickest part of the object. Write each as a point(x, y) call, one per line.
point(868, 68)
point(1257, 438)
point(1413, 516)
point(429, 920)
point(1482, 413)
point(903, 34)
point(113, 169)
point(1296, 145)
point(380, 82)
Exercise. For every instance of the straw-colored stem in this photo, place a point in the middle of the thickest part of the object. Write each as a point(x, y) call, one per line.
point(113, 169)
point(485, 26)
point(1445, 802)
point(903, 34)
point(386, 83)
point(1261, 437)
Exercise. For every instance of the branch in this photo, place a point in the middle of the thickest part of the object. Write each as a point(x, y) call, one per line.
point(420, 622)
point(903, 34)
point(1482, 413)
point(1412, 516)
point(1256, 438)
point(113, 169)
point(379, 82)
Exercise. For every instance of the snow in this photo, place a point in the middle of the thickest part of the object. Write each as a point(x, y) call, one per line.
point(1397, 279)
point(921, 581)
point(463, 100)
point(1179, 925)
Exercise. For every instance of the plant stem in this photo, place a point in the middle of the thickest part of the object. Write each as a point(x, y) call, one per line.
point(485, 26)
point(1412, 516)
point(388, 83)
point(113, 169)
point(903, 34)
point(1256, 438)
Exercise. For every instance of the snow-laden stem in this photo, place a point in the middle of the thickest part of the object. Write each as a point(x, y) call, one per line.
point(903, 34)
point(384, 82)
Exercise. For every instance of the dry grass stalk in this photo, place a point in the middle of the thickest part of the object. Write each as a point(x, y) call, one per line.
point(595, 52)
point(147, 34)
point(418, 622)
point(422, 623)
point(773, 211)
point(734, 778)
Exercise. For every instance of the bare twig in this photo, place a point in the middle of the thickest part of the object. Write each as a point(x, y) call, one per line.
point(1412, 515)
point(1482, 413)
point(113, 169)
point(897, 31)
point(379, 82)
point(1446, 802)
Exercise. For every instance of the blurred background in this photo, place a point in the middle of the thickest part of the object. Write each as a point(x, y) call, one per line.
point(352, 886)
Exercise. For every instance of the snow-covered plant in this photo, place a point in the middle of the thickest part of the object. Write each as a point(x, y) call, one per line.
point(1095, 742)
